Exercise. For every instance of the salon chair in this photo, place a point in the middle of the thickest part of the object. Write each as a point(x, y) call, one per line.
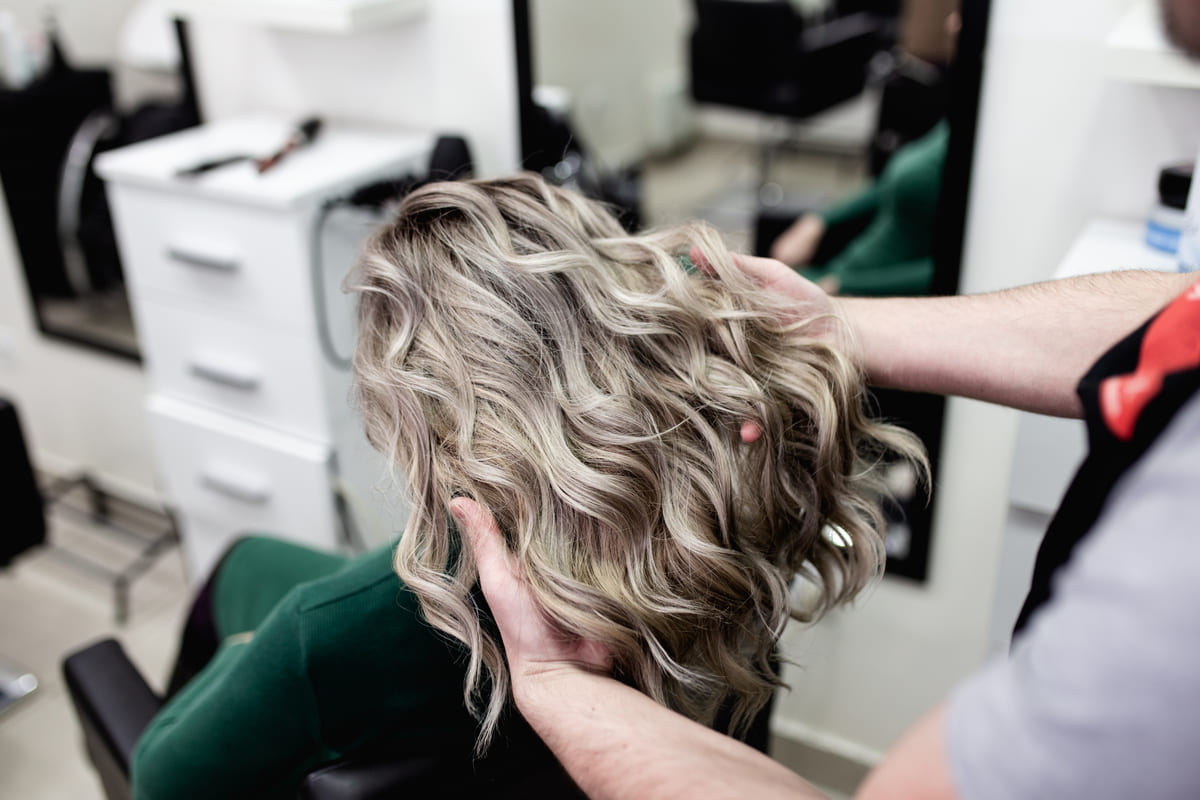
point(763, 56)
point(25, 528)
point(115, 704)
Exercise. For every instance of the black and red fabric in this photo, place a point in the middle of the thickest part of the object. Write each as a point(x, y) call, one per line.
point(1129, 397)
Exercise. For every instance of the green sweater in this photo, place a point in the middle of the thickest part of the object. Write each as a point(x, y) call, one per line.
point(340, 658)
point(894, 255)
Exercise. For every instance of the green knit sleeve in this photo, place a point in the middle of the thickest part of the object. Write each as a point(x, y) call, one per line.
point(241, 727)
point(862, 204)
point(904, 278)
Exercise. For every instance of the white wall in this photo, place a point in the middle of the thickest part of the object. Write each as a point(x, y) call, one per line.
point(450, 70)
point(1059, 143)
point(625, 64)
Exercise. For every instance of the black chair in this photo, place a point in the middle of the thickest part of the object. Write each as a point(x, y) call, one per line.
point(25, 527)
point(762, 56)
point(115, 704)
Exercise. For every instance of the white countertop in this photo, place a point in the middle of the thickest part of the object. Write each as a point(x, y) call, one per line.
point(1108, 245)
point(339, 158)
point(324, 16)
point(1137, 50)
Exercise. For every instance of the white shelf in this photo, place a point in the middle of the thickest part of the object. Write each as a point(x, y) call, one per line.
point(1137, 50)
point(1108, 245)
point(322, 16)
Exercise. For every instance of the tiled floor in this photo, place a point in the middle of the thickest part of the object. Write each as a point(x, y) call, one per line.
point(48, 608)
point(718, 180)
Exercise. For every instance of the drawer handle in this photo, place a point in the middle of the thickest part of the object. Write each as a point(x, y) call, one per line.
point(246, 380)
point(203, 260)
point(235, 487)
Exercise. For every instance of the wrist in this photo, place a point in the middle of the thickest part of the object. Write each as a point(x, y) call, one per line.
point(535, 688)
point(851, 334)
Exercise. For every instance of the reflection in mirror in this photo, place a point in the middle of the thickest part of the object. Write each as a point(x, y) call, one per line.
point(834, 135)
point(56, 117)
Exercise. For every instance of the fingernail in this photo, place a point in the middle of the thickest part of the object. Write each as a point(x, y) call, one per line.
point(458, 512)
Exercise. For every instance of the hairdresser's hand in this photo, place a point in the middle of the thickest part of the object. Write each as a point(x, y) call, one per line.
point(780, 279)
point(536, 652)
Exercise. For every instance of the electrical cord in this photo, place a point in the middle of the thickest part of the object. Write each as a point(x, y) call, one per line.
point(373, 196)
point(317, 277)
point(450, 160)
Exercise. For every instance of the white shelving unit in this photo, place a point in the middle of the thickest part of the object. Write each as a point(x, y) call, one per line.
point(1108, 245)
point(1136, 50)
point(320, 16)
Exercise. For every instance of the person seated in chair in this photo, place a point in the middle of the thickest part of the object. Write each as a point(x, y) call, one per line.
point(664, 449)
point(893, 253)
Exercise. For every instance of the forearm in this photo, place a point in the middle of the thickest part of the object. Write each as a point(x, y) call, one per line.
point(618, 743)
point(1025, 347)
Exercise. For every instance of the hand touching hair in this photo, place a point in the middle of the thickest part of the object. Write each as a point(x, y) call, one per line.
point(518, 347)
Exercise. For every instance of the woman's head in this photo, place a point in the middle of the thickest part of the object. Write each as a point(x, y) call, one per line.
point(518, 347)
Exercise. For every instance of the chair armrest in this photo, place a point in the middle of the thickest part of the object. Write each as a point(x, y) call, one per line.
point(379, 777)
point(367, 779)
point(114, 704)
point(858, 28)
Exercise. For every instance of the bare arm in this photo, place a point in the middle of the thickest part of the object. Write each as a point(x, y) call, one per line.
point(917, 766)
point(618, 743)
point(1025, 347)
point(613, 740)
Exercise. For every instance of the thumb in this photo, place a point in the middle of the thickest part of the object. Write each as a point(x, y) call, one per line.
point(483, 534)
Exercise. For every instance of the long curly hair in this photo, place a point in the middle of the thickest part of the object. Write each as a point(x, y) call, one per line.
point(517, 346)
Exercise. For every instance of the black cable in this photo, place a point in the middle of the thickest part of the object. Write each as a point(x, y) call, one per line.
point(317, 275)
point(371, 196)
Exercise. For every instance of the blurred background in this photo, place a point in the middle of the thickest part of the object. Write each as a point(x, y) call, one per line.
point(881, 146)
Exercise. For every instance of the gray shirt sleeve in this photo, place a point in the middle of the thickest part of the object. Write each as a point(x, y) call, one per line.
point(1100, 697)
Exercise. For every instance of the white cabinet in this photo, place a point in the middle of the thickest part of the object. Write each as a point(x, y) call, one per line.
point(253, 427)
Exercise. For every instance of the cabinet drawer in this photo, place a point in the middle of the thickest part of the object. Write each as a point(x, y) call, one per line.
point(240, 477)
point(264, 375)
point(243, 261)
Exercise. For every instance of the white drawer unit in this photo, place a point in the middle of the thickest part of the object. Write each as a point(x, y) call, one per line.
point(265, 374)
point(250, 262)
point(241, 478)
point(252, 426)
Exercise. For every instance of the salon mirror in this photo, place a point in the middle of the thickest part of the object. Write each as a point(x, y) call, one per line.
point(54, 122)
point(751, 113)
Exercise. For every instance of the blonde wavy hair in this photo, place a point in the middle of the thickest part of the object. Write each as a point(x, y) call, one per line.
point(518, 347)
